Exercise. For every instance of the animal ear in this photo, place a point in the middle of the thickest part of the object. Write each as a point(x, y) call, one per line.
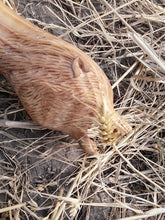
point(79, 67)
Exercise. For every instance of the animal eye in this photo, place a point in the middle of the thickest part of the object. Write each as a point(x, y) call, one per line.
point(115, 130)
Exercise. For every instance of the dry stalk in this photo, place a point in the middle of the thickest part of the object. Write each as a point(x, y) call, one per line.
point(46, 171)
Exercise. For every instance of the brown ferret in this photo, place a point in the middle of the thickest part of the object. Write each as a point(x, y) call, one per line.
point(59, 85)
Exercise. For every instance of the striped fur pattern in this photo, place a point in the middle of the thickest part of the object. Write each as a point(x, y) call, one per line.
point(59, 85)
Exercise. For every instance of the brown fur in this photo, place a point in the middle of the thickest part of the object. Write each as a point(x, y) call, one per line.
point(60, 86)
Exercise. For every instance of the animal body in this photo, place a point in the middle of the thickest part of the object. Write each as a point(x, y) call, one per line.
point(59, 85)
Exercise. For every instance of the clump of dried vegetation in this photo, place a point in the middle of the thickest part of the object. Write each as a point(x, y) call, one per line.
point(44, 174)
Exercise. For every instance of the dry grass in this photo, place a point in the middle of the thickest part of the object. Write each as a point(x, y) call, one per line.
point(44, 174)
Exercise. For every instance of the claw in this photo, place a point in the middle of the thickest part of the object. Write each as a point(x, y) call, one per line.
point(88, 145)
